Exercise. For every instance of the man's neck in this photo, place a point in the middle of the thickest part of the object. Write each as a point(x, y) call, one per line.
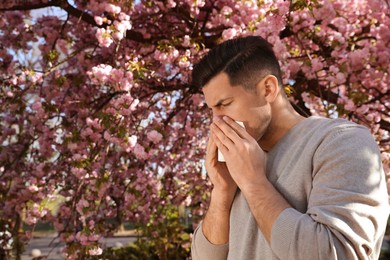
point(280, 124)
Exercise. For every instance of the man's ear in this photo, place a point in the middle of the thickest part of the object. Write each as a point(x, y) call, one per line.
point(269, 88)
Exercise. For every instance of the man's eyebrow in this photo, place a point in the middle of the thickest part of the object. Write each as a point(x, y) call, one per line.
point(219, 103)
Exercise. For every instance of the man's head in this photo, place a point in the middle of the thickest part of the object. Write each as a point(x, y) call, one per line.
point(241, 79)
point(245, 60)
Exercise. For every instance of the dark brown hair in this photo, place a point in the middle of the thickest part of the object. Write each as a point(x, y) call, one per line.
point(246, 61)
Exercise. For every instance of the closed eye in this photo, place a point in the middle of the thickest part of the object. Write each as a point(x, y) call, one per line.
point(225, 105)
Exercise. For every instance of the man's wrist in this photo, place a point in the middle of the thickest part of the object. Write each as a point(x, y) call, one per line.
point(222, 200)
point(216, 223)
point(260, 194)
point(266, 203)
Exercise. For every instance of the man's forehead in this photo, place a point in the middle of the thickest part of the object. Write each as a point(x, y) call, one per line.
point(217, 95)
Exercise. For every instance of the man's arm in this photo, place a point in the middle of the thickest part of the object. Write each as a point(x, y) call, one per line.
point(211, 238)
point(246, 163)
point(347, 208)
point(217, 220)
point(265, 203)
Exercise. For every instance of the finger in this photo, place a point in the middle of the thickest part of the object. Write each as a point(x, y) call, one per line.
point(221, 135)
point(211, 151)
point(220, 145)
point(230, 135)
point(240, 130)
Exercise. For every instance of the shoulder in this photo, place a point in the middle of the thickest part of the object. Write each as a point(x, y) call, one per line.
point(339, 142)
point(338, 131)
point(328, 124)
point(318, 131)
point(347, 147)
point(321, 138)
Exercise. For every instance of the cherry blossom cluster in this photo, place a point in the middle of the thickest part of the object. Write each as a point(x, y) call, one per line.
point(98, 116)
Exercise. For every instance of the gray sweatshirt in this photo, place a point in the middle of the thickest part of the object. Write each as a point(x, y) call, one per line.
point(330, 172)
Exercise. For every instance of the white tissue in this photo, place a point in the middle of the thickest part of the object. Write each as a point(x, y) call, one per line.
point(220, 155)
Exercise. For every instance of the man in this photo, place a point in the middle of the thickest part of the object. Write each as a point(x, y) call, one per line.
point(291, 187)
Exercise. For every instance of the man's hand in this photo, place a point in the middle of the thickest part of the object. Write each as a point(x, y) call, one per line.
point(224, 185)
point(245, 161)
point(216, 223)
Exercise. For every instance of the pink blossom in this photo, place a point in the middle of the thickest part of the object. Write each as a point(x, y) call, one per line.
point(72, 146)
point(140, 153)
point(94, 237)
point(14, 80)
point(294, 66)
point(91, 99)
point(36, 77)
point(199, 3)
point(188, 201)
point(363, 109)
point(129, 75)
point(134, 104)
point(107, 136)
point(186, 41)
point(104, 37)
point(132, 140)
point(125, 84)
point(124, 17)
point(102, 72)
point(325, 13)
point(171, 4)
point(161, 56)
point(30, 220)
point(229, 33)
point(95, 251)
point(37, 105)
point(283, 7)
point(349, 105)
point(316, 64)
point(117, 36)
point(226, 10)
point(121, 28)
point(33, 188)
point(384, 33)
point(184, 63)
point(110, 8)
point(357, 58)
point(116, 75)
point(82, 238)
point(280, 49)
point(154, 136)
point(81, 205)
point(340, 78)
point(98, 20)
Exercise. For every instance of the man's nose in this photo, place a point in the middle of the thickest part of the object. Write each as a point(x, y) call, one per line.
point(217, 112)
point(217, 116)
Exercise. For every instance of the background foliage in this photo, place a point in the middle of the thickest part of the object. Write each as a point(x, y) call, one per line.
point(97, 111)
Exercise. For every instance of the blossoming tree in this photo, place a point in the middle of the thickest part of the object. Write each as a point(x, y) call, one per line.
point(96, 105)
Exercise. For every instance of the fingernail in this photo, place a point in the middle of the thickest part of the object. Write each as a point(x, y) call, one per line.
point(216, 118)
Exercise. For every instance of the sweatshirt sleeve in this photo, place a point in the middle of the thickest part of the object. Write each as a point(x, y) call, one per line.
point(347, 207)
point(202, 249)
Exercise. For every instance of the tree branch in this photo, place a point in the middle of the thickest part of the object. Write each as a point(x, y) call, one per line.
point(23, 6)
point(384, 125)
point(63, 4)
point(72, 11)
